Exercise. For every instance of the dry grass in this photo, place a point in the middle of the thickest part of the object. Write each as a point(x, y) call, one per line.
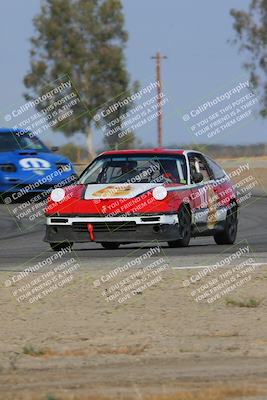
point(213, 393)
point(249, 303)
point(220, 392)
point(131, 350)
point(260, 174)
point(31, 351)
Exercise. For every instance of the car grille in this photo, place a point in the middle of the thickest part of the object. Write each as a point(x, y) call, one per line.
point(105, 226)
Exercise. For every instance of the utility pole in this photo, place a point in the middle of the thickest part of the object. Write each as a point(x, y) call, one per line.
point(158, 57)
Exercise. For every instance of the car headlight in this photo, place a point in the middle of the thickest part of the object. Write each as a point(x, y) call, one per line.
point(57, 195)
point(63, 167)
point(159, 193)
point(8, 167)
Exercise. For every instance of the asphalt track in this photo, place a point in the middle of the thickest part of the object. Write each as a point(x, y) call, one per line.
point(18, 245)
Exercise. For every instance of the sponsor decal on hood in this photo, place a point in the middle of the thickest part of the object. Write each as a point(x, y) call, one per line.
point(33, 164)
point(115, 191)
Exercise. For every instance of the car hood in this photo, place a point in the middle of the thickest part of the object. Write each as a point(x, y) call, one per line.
point(24, 158)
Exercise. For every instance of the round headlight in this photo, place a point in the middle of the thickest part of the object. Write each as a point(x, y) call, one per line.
point(159, 193)
point(57, 195)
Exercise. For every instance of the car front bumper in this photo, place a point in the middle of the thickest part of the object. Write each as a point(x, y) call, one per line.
point(143, 228)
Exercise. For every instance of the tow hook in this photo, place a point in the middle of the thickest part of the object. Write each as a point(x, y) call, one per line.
point(90, 229)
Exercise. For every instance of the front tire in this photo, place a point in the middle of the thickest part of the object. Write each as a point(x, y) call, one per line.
point(184, 218)
point(228, 235)
point(110, 245)
point(61, 246)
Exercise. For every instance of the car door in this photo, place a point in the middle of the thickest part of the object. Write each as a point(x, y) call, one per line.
point(222, 187)
point(203, 195)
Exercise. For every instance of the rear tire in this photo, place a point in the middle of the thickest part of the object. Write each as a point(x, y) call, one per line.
point(184, 218)
point(110, 245)
point(228, 235)
point(61, 246)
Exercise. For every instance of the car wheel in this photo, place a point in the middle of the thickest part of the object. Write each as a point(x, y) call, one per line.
point(61, 246)
point(228, 235)
point(110, 245)
point(184, 218)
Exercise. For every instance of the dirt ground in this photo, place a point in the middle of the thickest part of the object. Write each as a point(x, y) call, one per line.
point(165, 342)
point(257, 169)
point(160, 344)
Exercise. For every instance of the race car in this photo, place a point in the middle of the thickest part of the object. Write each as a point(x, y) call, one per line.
point(132, 196)
point(28, 167)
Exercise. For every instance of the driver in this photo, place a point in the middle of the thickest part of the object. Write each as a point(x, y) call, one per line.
point(128, 172)
point(169, 171)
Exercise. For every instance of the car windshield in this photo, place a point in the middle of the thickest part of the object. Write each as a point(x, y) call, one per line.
point(20, 141)
point(136, 169)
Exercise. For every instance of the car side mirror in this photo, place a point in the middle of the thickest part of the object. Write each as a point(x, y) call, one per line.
point(197, 177)
point(54, 149)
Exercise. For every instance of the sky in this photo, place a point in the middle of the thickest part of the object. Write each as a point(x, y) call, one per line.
point(201, 63)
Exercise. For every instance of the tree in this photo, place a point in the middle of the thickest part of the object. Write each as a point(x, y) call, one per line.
point(251, 33)
point(118, 132)
point(84, 40)
point(74, 153)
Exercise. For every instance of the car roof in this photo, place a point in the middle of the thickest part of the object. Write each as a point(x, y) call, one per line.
point(144, 151)
point(12, 130)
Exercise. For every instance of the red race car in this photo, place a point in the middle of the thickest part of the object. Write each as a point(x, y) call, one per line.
point(131, 196)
